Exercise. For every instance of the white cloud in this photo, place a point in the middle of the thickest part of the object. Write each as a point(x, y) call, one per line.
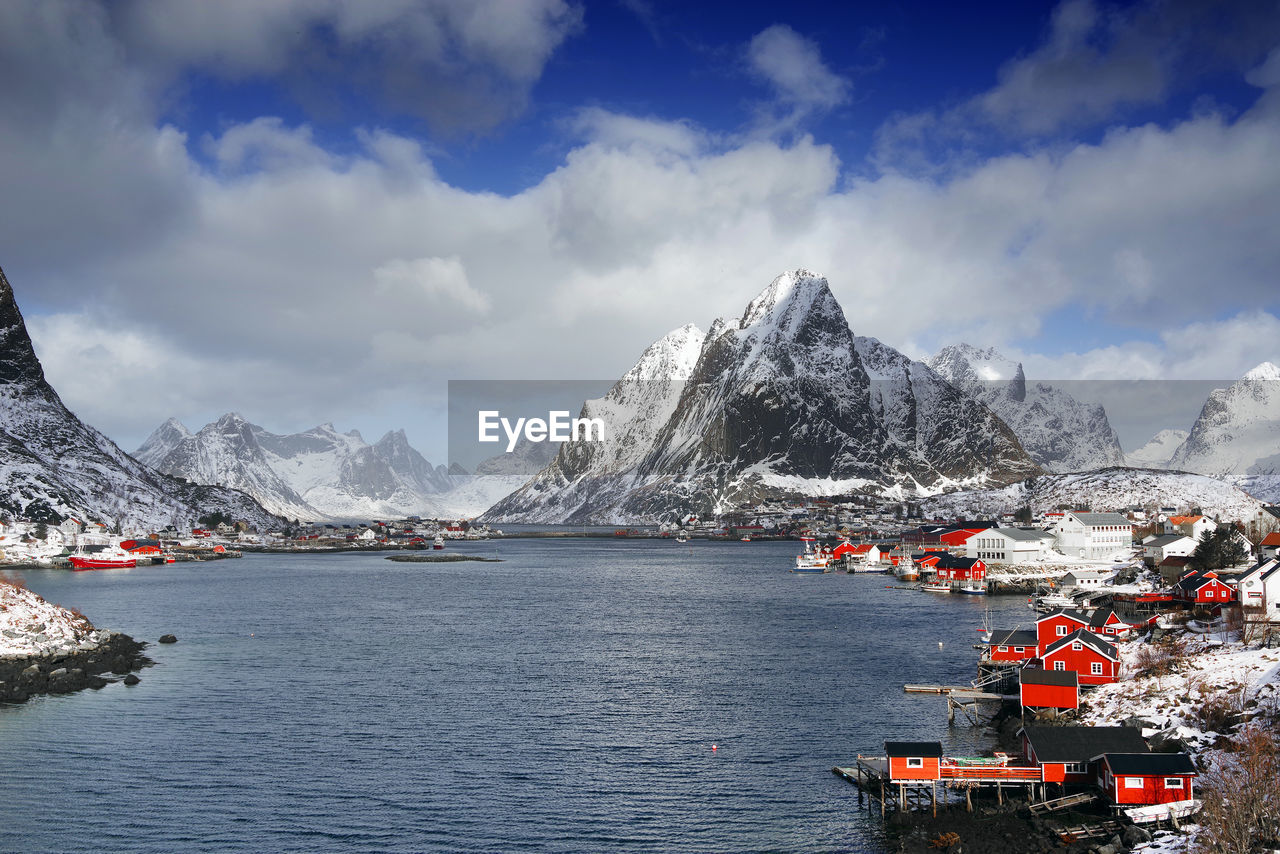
point(463, 66)
point(290, 276)
point(425, 281)
point(793, 67)
point(1097, 60)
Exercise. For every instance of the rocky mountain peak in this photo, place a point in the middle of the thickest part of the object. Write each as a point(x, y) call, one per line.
point(18, 362)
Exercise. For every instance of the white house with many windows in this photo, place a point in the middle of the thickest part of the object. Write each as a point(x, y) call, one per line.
point(1259, 588)
point(1009, 545)
point(1094, 535)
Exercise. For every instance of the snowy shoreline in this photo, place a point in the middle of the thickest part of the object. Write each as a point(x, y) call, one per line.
point(47, 649)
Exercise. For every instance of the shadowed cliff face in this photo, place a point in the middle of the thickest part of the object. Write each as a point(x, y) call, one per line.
point(777, 402)
point(53, 465)
point(18, 362)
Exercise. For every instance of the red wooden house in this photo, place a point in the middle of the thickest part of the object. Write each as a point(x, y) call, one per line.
point(958, 568)
point(914, 760)
point(1143, 779)
point(1068, 754)
point(1014, 645)
point(868, 552)
point(1048, 689)
point(1204, 588)
point(1095, 661)
point(1056, 625)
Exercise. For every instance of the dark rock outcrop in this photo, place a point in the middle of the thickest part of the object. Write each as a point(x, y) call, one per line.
point(27, 676)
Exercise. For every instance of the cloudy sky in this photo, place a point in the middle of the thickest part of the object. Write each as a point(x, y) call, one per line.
point(312, 210)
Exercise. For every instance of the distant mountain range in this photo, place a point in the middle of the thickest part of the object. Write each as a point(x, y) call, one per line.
point(780, 402)
point(52, 465)
point(1059, 432)
point(321, 474)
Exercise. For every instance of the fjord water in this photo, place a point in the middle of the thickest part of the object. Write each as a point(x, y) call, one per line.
point(565, 699)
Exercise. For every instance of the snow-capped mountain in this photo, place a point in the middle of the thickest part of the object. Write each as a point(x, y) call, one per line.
point(316, 474)
point(777, 402)
point(1104, 489)
point(1157, 453)
point(52, 465)
point(1238, 431)
point(1059, 432)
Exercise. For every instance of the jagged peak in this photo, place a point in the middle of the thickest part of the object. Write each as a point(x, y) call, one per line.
point(1264, 371)
point(798, 288)
point(393, 437)
point(231, 419)
point(175, 425)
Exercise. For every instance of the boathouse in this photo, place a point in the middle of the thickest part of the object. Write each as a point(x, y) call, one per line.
point(1095, 661)
point(913, 760)
point(1068, 754)
point(1012, 645)
point(1048, 689)
point(1144, 779)
point(1056, 625)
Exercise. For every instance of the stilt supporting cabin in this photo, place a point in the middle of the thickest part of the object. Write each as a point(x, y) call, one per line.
point(917, 769)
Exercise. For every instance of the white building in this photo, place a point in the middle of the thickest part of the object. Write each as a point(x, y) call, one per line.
point(1086, 579)
point(1259, 587)
point(1156, 549)
point(1094, 536)
point(1009, 545)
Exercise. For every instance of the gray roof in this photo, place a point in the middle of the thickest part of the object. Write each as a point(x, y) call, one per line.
point(1013, 637)
point(913, 748)
point(1096, 519)
point(1149, 764)
point(1040, 676)
point(1023, 535)
point(1087, 638)
point(1165, 539)
point(1082, 743)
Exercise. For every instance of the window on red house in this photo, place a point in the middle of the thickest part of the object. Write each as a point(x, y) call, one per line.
point(1062, 631)
point(1096, 669)
point(915, 762)
point(1173, 782)
point(1059, 665)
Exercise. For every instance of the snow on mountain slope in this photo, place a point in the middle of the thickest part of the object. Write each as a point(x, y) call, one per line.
point(776, 402)
point(1238, 431)
point(225, 452)
point(52, 465)
point(1157, 452)
point(1059, 432)
point(317, 474)
point(1104, 489)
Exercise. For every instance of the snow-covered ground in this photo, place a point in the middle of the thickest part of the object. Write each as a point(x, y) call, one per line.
point(31, 626)
point(1213, 667)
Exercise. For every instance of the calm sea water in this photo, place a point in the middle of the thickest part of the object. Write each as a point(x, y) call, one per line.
point(566, 699)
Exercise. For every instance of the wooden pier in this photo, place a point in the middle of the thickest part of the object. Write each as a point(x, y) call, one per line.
point(960, 697)
point(871, 776)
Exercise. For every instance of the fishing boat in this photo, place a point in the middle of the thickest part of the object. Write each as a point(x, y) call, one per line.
point(118, 559)
point(936, 585)
point(746, 539)
point(438, 542)
point(812, 560)
point(681, 538)
point(973, 586)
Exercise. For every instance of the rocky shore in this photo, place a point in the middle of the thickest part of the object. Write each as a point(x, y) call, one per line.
point(117, 655)
point(48, 649)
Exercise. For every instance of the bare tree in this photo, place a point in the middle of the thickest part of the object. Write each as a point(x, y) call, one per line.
point(1241, 796)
